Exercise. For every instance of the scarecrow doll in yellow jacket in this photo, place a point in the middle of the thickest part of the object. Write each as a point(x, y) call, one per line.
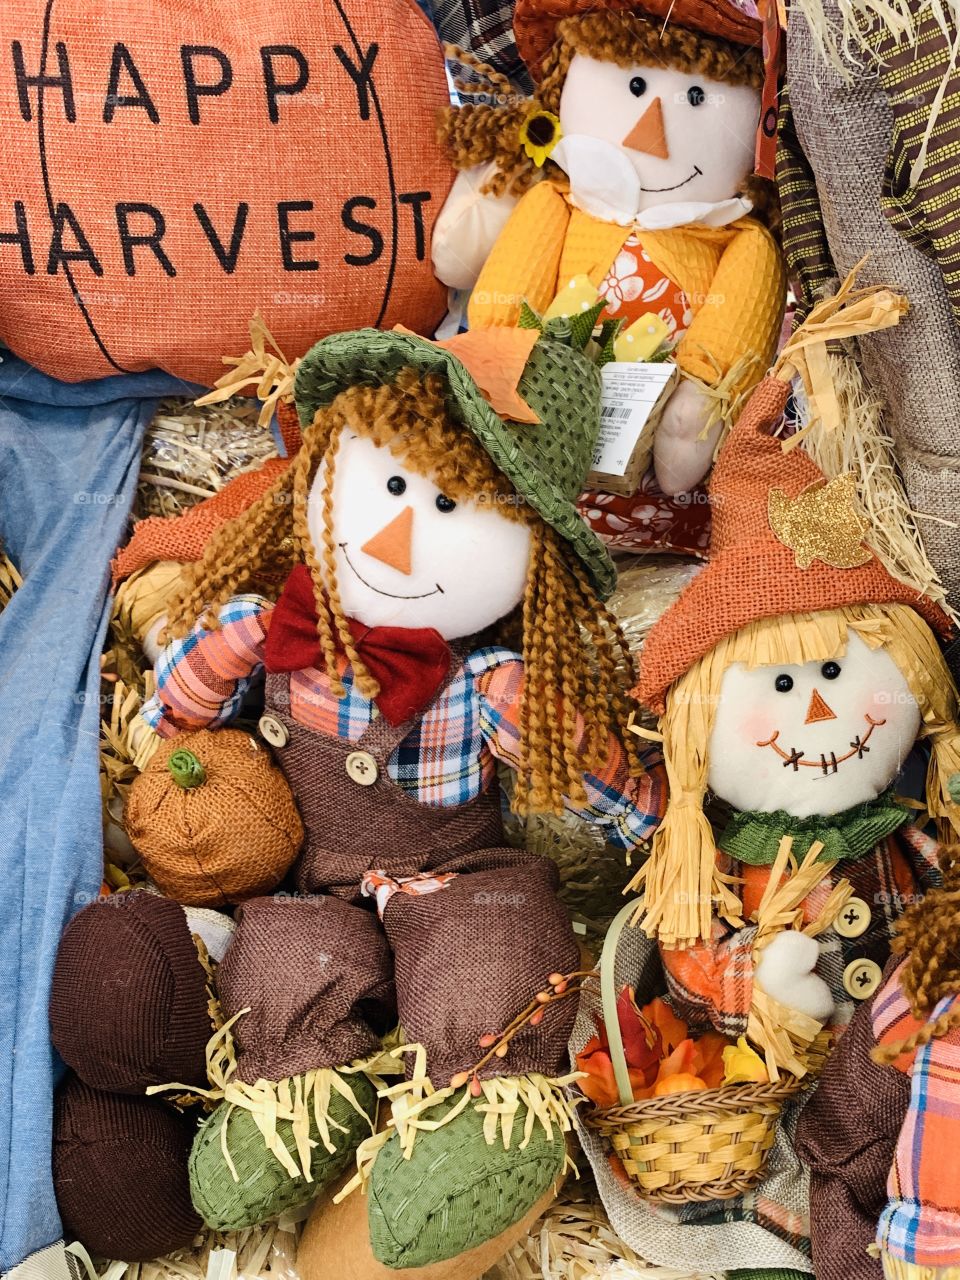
point(432, 498)
point(648, 116)
point(793, 678)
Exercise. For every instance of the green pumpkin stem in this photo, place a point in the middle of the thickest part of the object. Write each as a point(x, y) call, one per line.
point(186, 770)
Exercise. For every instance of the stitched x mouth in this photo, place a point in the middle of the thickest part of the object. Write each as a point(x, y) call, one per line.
point(826, 764)
point(656, 191)
point(391, 594)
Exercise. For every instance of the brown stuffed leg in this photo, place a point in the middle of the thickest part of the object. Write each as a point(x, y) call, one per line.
point(472, 952)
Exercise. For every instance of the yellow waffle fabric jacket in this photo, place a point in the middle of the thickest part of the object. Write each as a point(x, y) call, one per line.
point(733, 277)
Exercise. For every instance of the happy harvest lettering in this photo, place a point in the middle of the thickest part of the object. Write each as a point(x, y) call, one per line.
point(206, 74)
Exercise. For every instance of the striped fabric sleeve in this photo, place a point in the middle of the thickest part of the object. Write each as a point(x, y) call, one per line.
point(628, 809)
point(203, 677)
point(712, 984)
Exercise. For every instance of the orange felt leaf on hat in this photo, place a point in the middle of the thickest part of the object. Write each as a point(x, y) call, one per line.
point(495, 359)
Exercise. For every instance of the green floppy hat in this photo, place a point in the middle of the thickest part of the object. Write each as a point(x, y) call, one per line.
point(546, 462)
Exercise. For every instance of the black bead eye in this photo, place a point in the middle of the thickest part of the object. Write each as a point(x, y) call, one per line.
point(396, 485)
point(830, 670)
point(444, 503)
point(638, 86)
point(783, 683)
point(695, 96)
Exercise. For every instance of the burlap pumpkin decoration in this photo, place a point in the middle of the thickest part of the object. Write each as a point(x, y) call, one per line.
point(213, 819)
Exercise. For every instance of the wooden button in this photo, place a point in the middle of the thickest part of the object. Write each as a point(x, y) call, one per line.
point(274, 730)
point(854, 919)
point(362, 768)
point(861, 979)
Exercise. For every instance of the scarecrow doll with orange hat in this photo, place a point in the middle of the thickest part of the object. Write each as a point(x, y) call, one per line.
point(647, 113)
point(792, 680)
point(427, 504)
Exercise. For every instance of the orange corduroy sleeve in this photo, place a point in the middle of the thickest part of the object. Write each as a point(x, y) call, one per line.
point(523, 264)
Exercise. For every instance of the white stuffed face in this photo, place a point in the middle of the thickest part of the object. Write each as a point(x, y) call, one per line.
point(409, 556)
point(689, 138)
point(813, 739)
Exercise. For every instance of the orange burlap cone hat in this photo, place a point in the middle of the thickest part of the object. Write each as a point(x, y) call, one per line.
point(535, 21)
point(783, 541)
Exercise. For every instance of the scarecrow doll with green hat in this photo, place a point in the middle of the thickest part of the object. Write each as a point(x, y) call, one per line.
point(432, 501)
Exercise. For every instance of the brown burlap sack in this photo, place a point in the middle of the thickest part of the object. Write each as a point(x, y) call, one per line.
point(845, 130)
point(169, 166)
point(213, 818)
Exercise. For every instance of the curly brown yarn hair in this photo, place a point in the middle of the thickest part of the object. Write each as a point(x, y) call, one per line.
point(577, 663)
point(928, 933)
point(488, 129)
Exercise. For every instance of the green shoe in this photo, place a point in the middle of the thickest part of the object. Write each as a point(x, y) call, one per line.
point(456, 1192)
point(263, 1189)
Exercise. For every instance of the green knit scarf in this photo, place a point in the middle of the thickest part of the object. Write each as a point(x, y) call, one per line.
point(755, 837)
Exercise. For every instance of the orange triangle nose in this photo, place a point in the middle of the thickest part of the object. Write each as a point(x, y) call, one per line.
point(648, 134)
point(392, 544)
point(818, 710)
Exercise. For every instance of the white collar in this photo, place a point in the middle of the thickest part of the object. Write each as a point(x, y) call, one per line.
point(604, 184)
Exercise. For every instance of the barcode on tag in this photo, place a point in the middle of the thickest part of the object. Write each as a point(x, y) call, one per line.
point(631, 393)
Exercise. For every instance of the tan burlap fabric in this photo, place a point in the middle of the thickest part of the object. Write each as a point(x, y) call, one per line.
point(845, 131)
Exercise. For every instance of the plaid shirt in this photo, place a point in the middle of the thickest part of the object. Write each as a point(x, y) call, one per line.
point(713, 984)
point(485, 28)
point(447, 759)
point(921, 1224)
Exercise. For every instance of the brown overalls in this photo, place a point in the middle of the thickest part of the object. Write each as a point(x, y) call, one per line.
point(460, 956)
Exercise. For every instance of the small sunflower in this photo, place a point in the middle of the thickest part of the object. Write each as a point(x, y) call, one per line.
point(540, 133)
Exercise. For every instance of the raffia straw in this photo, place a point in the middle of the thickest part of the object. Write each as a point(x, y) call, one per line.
point(575, 1241)
point(264, 372)
point(850, 313)
point(190, 454)
point(726, 394)
point(858, 446)
point(846, 42)
point(786, 1035)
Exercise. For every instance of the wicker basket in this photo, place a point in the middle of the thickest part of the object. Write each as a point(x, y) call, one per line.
point(708, 1145)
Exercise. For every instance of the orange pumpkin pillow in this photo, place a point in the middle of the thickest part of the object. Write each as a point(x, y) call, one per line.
point(169, 166)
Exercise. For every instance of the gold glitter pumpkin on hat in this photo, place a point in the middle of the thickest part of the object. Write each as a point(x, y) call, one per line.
point(213, 819)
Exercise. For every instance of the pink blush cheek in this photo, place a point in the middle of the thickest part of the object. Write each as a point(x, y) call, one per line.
point(755, 727)
point(879, 704)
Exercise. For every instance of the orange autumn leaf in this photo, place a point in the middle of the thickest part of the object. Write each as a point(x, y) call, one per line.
point(682, 1082)
point(642, 1044)
point(673, 1030)
point(680, 1062)
point(600, 1084)
point(708, 1059)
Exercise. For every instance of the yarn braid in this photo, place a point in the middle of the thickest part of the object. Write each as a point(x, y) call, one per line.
point(929, 934)
point(577, 667)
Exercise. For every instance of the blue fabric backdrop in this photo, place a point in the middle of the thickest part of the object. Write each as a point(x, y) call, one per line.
point(68, 464)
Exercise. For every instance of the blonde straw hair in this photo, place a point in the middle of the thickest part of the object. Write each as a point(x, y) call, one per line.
point(680, 880)
point(577, 665)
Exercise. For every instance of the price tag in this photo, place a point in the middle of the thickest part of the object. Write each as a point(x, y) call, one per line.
point(633, 397)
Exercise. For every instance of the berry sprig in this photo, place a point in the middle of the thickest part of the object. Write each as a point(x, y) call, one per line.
point(497, 1043)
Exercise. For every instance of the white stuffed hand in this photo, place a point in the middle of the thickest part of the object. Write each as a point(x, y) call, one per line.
point(680, 458)
point(785, 971)
point(152, 647)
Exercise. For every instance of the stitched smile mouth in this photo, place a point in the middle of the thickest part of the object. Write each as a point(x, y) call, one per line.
point(657, 191)
point(827, 764)
point(438, 590)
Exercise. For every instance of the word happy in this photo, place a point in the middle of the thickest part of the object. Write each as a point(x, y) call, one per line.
point(206, 74)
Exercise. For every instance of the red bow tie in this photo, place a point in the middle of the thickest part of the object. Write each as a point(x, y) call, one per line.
point(409, 664)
